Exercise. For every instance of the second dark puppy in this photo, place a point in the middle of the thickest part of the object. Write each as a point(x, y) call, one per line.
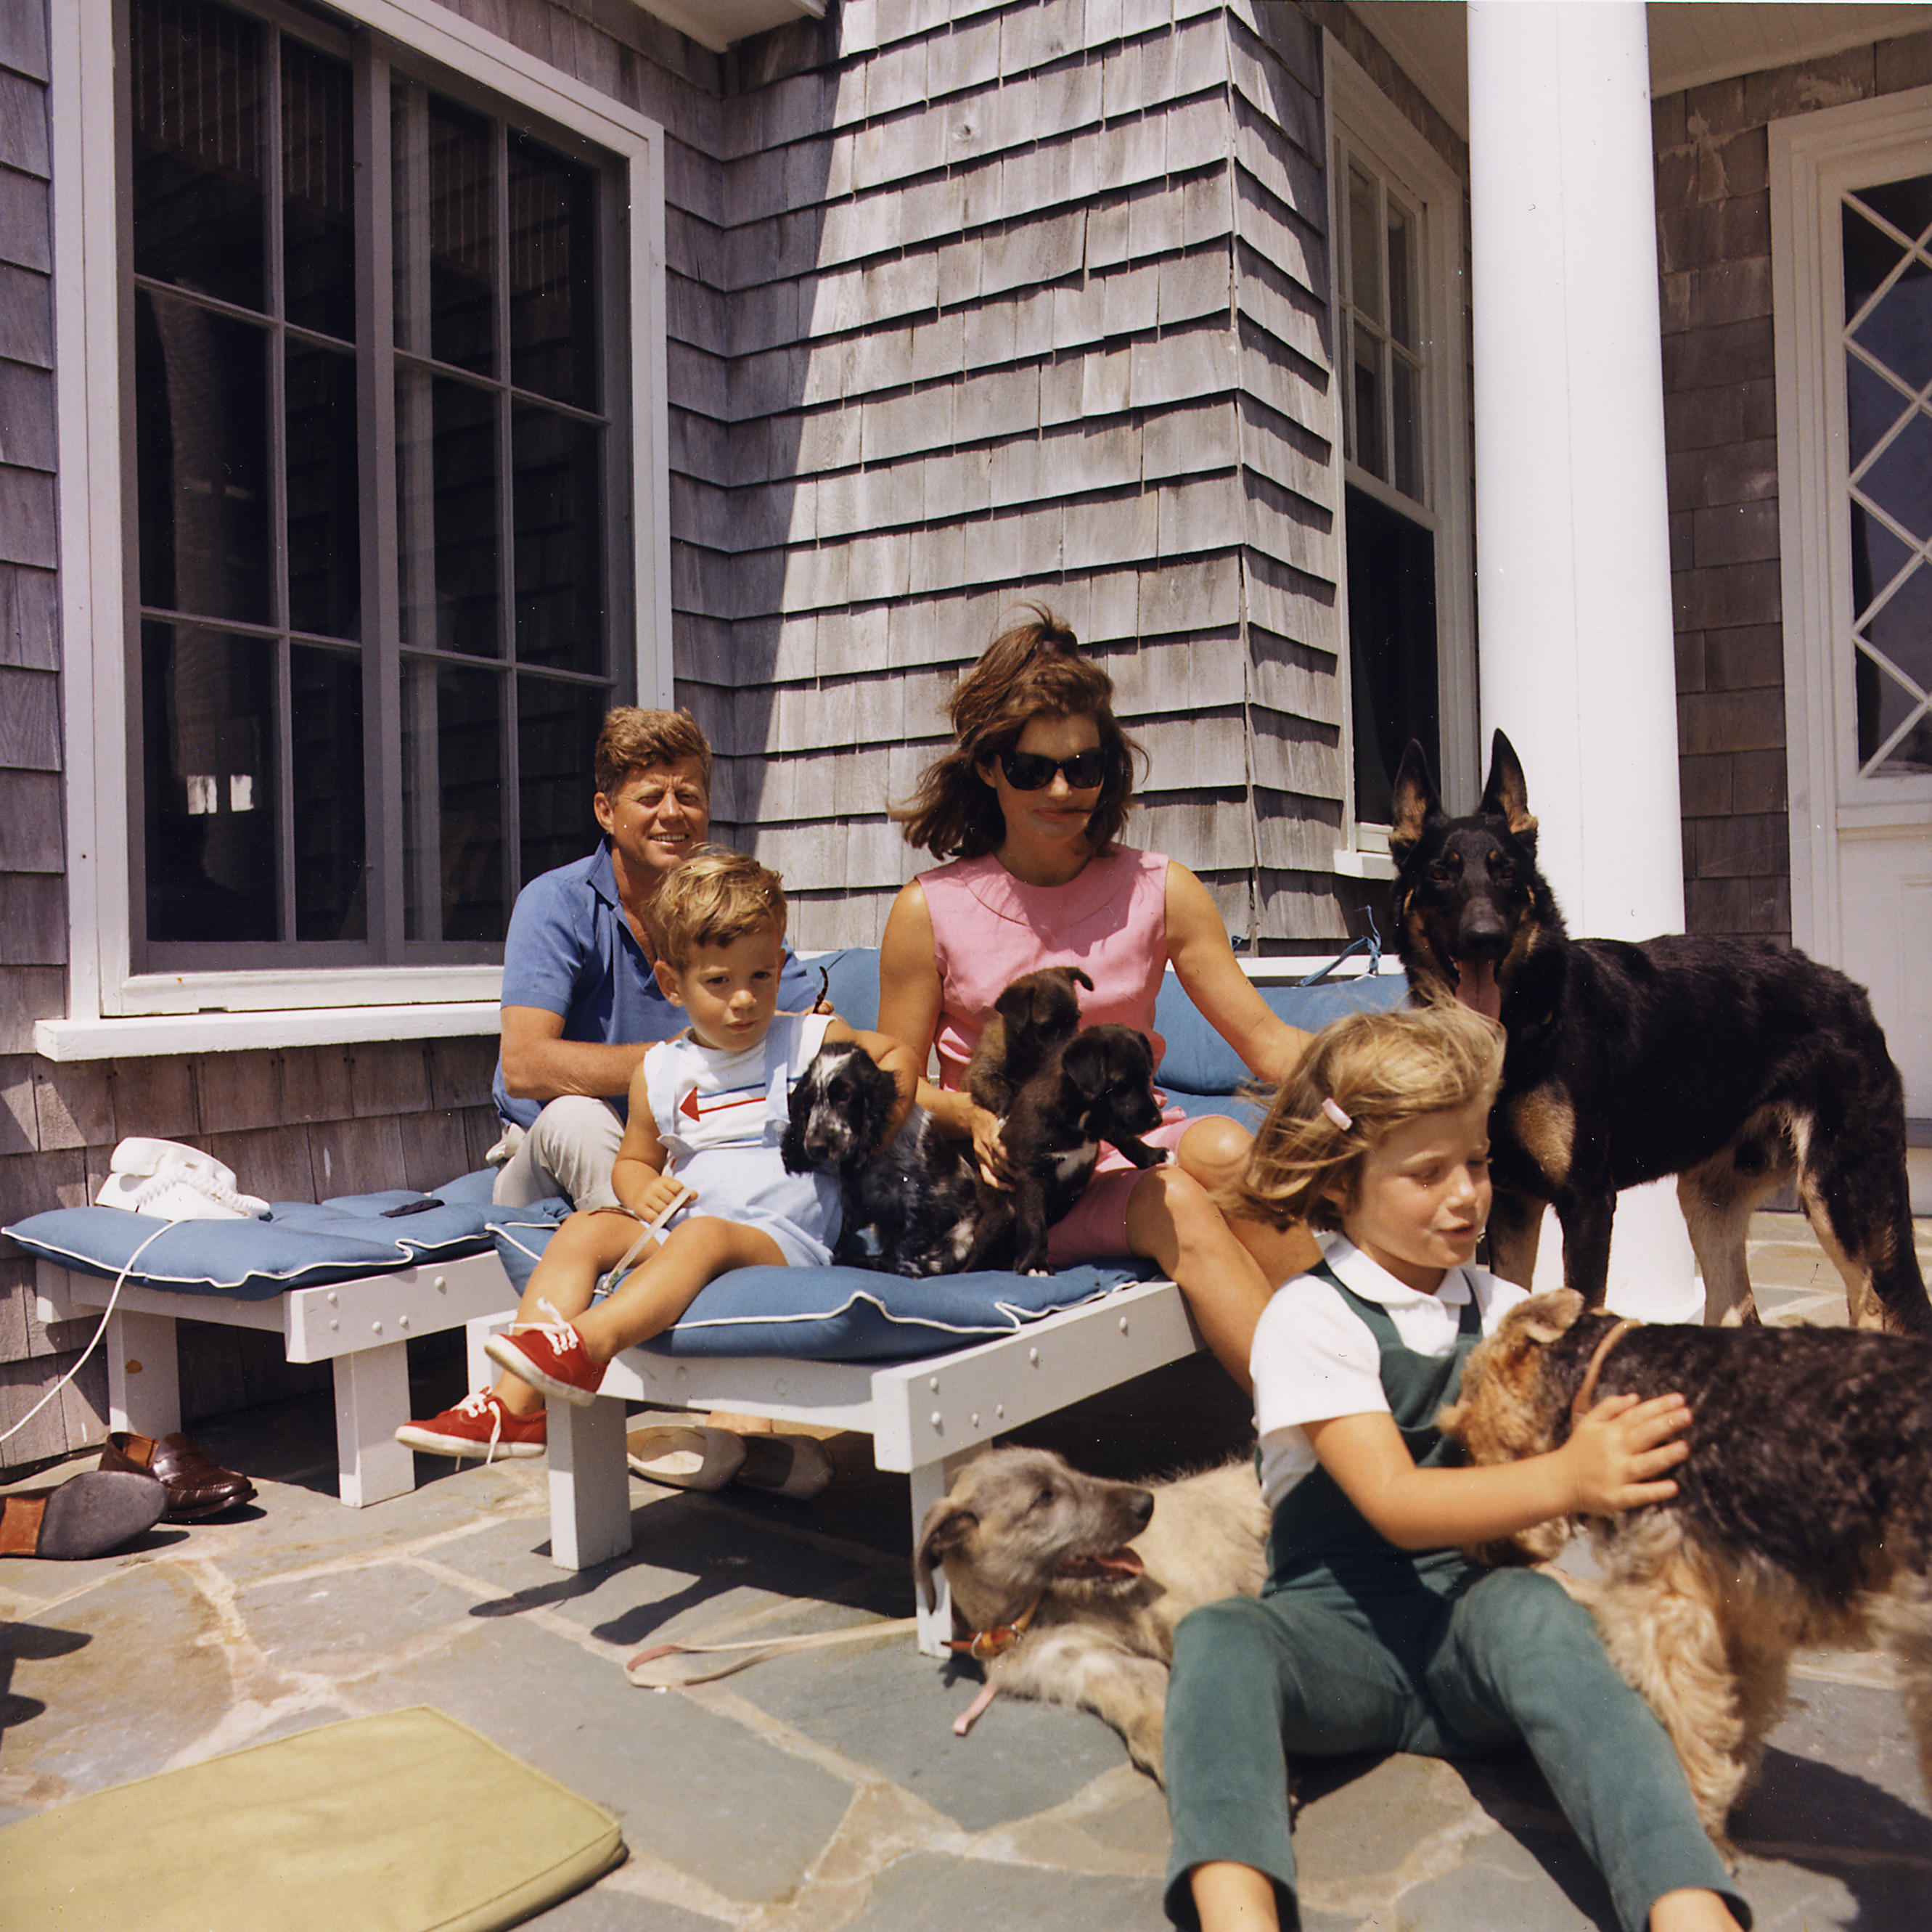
point(1068, 1090)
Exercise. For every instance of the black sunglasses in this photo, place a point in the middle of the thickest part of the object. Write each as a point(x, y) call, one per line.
point(1028, 771)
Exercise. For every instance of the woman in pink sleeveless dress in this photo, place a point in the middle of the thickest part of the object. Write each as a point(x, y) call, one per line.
point(1027, 806)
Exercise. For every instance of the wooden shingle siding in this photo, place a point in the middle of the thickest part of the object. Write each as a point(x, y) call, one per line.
point(988, 337)
point(1714, 246)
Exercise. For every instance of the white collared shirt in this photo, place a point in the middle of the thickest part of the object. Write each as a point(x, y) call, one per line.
point(1315, 1358)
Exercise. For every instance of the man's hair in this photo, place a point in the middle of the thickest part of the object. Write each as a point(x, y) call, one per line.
point(1378, 1069)
point(714, 897)
point(636, 740)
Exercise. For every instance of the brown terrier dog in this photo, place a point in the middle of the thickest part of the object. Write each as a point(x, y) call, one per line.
point(1803, 1515)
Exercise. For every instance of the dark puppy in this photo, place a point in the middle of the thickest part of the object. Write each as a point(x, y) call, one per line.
point(1732, 1064)
point(1803, 1515)
point(1036, 1016)
point(1099, 1086)
point(909, 1207)
point(1068, 1587)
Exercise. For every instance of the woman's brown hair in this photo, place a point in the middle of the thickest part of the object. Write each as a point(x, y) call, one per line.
point(1032, 669)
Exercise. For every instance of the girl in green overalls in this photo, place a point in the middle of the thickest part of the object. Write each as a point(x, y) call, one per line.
point(1374, 1632)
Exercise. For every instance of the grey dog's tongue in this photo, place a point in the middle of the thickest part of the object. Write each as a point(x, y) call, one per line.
point(1476, 987)
point(1123, 1562)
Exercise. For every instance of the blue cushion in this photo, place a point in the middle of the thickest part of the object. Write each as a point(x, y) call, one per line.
point(302, 1244)
point(852, 1315)
point(836, 1314)
point(1199, 1064)
point(852, 983)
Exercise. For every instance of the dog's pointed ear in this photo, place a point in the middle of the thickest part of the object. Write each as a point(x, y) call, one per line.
point(1506, 796)
point(1416, 802)
point(947, 1525)
point(1548, 1318)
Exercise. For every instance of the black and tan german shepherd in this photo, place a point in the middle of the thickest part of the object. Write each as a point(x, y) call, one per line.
point(1735, 1064)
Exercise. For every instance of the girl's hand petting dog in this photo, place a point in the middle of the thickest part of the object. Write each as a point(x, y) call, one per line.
point(1619, 1451)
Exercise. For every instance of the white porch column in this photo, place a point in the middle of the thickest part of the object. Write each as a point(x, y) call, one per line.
point(1572, 537)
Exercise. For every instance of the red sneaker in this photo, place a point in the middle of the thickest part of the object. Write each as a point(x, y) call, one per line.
point(549, 1356)
point(479, 1425)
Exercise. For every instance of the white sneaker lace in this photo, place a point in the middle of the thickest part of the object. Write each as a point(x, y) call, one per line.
point(473, 1405)
point(560, 1334)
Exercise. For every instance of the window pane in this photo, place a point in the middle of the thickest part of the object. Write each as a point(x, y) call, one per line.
point(201, 431)
point(448, 516)
point(1405, 423)
point(195, 76)
point(553, 291)
point(453, 802)
point(209, 737)
point(318, 199)
point(1370, 450)
point(557, 498)
point(325, 736)
point(1402, 274)
point(1391, 649)
point(1365, 252)
point(446, 208)
point(325, 533)
point(556, 733)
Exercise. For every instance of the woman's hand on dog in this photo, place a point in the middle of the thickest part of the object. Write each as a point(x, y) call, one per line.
point(990, 1150)
point(1617, 1452)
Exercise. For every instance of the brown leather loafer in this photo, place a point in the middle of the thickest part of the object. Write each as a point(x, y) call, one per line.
point(197, 1485)
point(86, 1515)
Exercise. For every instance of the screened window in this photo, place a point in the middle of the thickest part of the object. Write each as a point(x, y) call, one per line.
point(1389, 524)
point(378, 497)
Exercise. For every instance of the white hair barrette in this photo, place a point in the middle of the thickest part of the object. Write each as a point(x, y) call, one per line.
point(1333, 1109)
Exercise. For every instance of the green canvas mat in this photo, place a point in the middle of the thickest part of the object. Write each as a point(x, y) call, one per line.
point(409, 1822)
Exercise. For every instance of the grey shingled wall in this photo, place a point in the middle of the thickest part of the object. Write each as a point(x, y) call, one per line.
point(1000, 302)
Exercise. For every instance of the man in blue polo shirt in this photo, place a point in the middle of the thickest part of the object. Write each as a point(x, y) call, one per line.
point(581, 1006)
point(581, 1003)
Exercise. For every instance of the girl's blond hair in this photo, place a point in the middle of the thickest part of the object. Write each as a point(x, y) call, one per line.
point(1374, 1071)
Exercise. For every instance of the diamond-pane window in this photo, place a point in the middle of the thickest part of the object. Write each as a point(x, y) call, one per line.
point(1887, 244)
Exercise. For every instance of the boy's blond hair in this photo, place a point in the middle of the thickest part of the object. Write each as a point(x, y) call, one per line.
point(1378, 1069)
point(714, 897)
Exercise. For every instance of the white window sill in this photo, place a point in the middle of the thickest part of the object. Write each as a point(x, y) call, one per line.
point(1353, 865)
point(146, 1036)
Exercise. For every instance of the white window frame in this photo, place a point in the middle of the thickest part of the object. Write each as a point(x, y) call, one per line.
point(1358, 114)
point(1814, 158)
point(112, 1012)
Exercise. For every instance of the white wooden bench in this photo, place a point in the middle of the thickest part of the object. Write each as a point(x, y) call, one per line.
point(924, 1417)
point(363, 1326)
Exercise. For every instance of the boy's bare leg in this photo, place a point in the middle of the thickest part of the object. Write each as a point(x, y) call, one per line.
point(661, 1287)
point(582, 1248)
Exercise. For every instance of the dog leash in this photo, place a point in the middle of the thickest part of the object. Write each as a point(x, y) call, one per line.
point(657, 1669)
point(1587, 1394)
point(653, 1231)
point(995, 1640)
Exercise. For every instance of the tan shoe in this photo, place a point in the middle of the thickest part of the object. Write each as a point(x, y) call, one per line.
point(684, 1458)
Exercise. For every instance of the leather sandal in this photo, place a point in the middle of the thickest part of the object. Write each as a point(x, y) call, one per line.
point(197, 1485)
point(86, 1515)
